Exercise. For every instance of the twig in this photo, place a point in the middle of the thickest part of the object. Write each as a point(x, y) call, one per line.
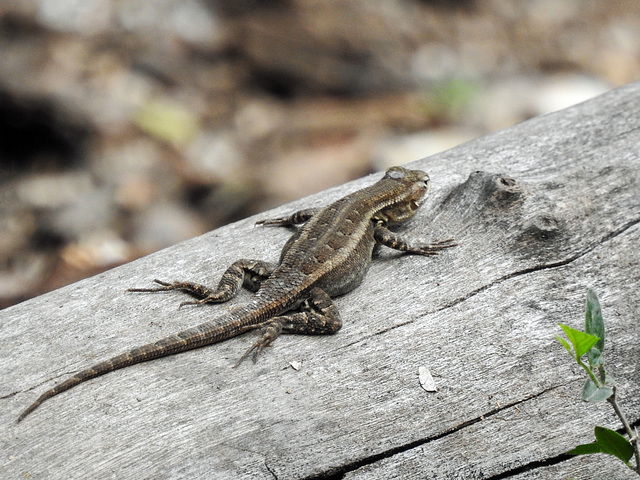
point(633, 434)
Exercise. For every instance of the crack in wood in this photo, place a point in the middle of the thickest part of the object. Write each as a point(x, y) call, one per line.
point(547, 462)
point(338, 473)
point(540, 267)
point(270, 470)
point(9, 395)
point(563, 457)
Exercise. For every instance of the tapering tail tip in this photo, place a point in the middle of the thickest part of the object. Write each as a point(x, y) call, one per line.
point(30, 409)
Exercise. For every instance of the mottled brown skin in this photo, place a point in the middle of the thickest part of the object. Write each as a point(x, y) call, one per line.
point(328, 256)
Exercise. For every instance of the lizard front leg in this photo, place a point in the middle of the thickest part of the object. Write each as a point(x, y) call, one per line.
point(389, 239)
point(318, 315)
point(242, 273)
point(296, 218)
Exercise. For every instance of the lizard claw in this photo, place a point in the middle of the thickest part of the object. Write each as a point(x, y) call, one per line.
point(165, 286)
point(276, 222)
point(270, 331)
point(255, 349)
point(195, 302)
point(436, 247)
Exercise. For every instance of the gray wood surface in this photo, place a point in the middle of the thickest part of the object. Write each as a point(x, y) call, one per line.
point(542, 211)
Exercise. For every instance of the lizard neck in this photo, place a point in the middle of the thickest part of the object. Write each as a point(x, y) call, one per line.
point(372, 199)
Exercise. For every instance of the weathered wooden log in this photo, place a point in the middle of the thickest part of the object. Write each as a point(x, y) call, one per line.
point(542, 211)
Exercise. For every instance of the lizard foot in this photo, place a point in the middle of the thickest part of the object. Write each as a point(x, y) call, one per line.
point(270, 331)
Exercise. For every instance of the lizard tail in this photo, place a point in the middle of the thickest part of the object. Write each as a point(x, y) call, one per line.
point(198, 336)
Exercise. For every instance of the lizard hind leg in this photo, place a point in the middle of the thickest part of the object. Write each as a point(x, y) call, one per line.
point(317, 316)
point(242, 273)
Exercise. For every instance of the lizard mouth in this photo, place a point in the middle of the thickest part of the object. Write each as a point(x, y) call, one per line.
point(416, 203)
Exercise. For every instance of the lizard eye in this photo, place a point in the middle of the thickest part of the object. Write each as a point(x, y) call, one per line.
point(397, 173)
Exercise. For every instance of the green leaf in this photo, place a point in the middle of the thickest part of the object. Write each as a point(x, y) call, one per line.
point(565, 344)
point(613, 443)
point(585, 449)
point(581, 341)
point(595, 357)
point(607, 441)
point(592, 393)
point(594, 325)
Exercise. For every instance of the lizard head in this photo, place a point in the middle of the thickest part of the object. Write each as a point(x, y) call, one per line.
point(416, 185)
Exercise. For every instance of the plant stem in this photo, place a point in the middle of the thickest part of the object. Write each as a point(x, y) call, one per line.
point(633, 435)
point(589, 372)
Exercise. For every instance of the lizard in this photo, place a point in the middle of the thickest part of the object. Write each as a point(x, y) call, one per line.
point(327, 256)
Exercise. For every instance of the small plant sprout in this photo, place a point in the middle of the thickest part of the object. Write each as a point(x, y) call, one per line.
point(599, 387)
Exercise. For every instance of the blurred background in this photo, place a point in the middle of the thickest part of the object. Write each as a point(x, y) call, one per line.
point(130, 125)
